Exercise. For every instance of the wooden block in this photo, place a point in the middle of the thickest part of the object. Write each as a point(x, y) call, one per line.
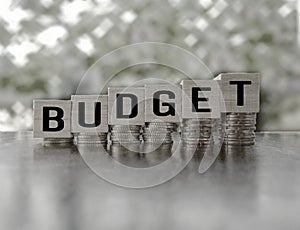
point(129, 108)
point(167, 101)
point(87, 117)
point(52, 119)
point(206, 99)
point(241, 92)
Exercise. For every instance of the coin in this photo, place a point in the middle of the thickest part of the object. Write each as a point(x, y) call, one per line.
point(158, 132)
point(240, 129)
point(91, 138)
point(58, 141)
point(125, 133)
point(196, 131)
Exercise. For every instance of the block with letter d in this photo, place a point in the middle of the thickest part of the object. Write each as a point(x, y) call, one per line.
point(126, 106)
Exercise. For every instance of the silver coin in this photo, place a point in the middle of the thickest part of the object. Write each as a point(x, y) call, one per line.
point(196, 143)
point(195, 138)
point(125, 141)
point(125, 134)
point(125, 128)
point(159, 123)
point(92, 137)
point(240, 134)
point(91, 142)
point(241, 117)
point(240, 114)
point(196, 126)
point(232, 122)
point(124, 138)
point(157, 136)
point(162, 124)
point(58, 141)
point(158, 130)
point(157, 140)
point(238, 139)
point(196, 130)
point(125, 131)
point(240, 143)
point(196, 133)
point(240, 129)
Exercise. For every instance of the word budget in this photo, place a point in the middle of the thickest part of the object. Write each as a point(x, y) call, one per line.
point(227, 93)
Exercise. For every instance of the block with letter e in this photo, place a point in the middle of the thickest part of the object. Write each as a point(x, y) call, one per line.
point(52, 118)
point(200, 99)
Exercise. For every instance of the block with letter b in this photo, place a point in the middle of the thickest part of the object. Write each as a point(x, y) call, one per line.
point(126, 106)
point(89, 114)
point(52, 119)
point(240, 91)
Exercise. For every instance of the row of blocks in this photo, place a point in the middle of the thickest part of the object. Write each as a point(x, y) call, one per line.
point(237, 92)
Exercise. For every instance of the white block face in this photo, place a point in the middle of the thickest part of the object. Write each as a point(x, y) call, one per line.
point(200, 99)
point(163, 103)
point(126, 106)
point(52, 119)
point(241, 92)
point(89, 114)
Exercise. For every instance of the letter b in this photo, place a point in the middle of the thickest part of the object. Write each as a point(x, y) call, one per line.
point(52, 119)
point(58, 118)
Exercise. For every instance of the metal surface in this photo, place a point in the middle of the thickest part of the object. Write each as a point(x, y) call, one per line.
point(256, 187)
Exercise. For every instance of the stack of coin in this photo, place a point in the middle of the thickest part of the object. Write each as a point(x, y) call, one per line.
point(91, 138)
point(196, 131)
point(125, 134)
point(58, 141)
point(159, 132)
point(240, 129)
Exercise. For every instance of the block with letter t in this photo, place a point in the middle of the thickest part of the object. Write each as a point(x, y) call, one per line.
point(241, 91)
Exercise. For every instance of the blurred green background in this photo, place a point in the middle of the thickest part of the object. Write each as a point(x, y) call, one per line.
point(46, 46)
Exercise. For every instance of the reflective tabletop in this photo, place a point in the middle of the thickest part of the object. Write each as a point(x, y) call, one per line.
point(255, 187)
